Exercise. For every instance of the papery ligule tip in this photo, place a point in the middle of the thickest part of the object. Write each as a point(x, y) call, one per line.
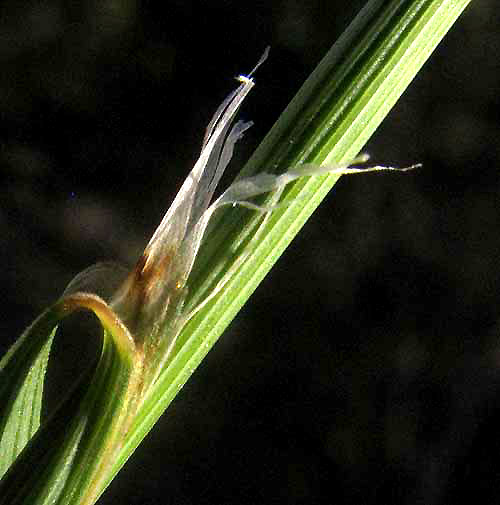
point(248, 78)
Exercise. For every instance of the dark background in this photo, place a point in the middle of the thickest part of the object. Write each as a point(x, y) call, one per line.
point(366, 367)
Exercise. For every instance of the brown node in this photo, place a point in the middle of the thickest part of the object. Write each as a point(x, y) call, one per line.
point(147, 273)
point(144, 285)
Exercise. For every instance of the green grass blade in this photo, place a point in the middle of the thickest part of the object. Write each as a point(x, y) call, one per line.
point(329, 121)
point(74, 449)
point(22, 374)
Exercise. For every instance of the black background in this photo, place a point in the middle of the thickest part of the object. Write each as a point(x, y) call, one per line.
point(365, 369)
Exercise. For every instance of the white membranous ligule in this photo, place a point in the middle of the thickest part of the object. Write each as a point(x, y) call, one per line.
point(151, 301)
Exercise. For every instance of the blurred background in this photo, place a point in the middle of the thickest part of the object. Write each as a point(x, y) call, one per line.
point(366, 367)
